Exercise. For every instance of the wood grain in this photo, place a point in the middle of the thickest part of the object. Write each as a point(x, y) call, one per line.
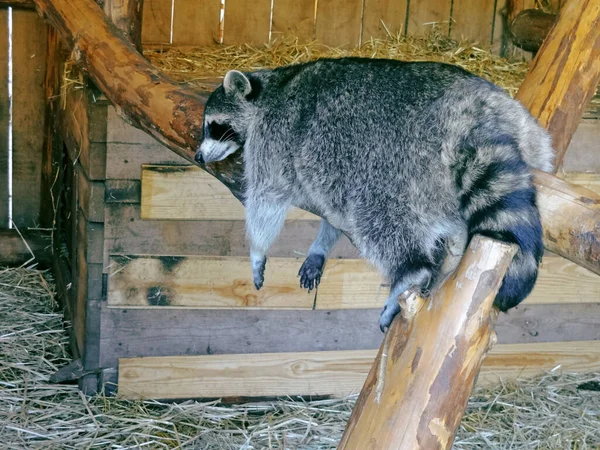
point(127, 16)
point(472, 20)
point(156, 21)
point(196, 22)
point(14, 249)
point(424, 15)
point(29, 66)
point(338, 23)
point(382, 18)
point(189, 193)
point(293, 19)
point(320, 373)
point(226, 282)
point(91, 196)
point(565, 73)
point(589, 181)
point(4, 115)
point(582, 154)
point(247, 21)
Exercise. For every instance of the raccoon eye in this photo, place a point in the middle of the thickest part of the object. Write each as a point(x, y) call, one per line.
point(219, 131)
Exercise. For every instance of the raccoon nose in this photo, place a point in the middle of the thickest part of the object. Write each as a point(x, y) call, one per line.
point(199, 158)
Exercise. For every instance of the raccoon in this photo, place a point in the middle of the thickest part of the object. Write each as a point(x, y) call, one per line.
point(408, 159)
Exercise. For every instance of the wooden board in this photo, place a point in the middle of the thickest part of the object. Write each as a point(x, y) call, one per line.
point(156, 21)
point(190, 193)
point(91, 196)
point(29, 69)
point(321, 373)
point(338, 23)
point(422, 15)
point(583, 154)
point(247, 21)
point(217, 282)
point(293, 19)
point(4, 114)
point(589, 181)
point(473, 20)
point(382, 18)
point(196, 22)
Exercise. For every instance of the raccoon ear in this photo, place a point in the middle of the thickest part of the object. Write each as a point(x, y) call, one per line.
point(236, 82)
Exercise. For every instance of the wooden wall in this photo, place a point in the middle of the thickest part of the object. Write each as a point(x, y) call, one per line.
point(333, 22)
point(29, 53)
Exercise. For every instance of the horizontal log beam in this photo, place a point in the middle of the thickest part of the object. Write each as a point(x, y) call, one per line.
point(172, 113)
point(530, 27)
point(16, 249)
point(24, 4)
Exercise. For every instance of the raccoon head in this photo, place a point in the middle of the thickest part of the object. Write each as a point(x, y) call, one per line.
point(224, 123)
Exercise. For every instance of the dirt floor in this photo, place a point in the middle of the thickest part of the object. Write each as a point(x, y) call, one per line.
point(554, 411)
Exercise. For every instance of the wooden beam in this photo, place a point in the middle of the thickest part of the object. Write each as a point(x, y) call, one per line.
point(127, 17)
point(321, 373)
point(565, 73)
point(24, 4)
point(530, 27)
point(28, 247)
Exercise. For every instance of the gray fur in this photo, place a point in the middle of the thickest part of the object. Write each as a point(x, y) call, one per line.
point(406, 159)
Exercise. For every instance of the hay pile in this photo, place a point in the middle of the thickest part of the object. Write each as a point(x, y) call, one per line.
point(197, 65)
point(551, 412)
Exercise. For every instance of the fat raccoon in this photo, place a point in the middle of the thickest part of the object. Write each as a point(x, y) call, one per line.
point(408, 159)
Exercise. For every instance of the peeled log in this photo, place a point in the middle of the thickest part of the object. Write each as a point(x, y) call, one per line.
point(418, 387)
point(565, 73)
point(529, 29)
point(172, 113)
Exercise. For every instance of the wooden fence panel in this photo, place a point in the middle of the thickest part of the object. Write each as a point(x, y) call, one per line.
point(293, 18)
point(338, 22)
point(381, 17)
point(196, 22)
point(3, 118)
point(422, 15)
point(156, 21)
point(473, 20)
point(247, 21)
point(29, 65)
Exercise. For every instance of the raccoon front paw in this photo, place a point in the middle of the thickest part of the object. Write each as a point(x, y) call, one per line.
point(258, 272)
point(310, 272)
point(389, 311)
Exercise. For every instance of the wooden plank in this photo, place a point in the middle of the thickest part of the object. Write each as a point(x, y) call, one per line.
point(122, 191)
point(29, 69)
point(127, 234)
point(91, 196)
point(226, 282)
point(190, 193)
point(247, 22)
point(196, 22)
point(589, 181)
point(293, 19)
point(382, 18)
point(156, 21)
point(4, 115)
point(424, 15)
point(582, 154)
point(321, 373)
point(472, 20)
point(135, 332)
point(338, 23)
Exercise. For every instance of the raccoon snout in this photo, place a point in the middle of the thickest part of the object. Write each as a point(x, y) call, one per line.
point(199, 158)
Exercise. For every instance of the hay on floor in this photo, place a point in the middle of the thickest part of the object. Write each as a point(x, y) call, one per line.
point(554, 411)
point(199, 64)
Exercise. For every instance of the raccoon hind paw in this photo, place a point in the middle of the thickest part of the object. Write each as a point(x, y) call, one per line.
point(310, 272)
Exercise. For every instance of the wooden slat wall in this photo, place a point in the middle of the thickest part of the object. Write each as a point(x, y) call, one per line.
point(29, 65)
point(339, 23)
point(4, 113)
point(321, 373)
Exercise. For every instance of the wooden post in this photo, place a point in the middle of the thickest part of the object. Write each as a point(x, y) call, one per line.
point(127, 17)
point(418, 387)
point(172, 113)
point(565, 72)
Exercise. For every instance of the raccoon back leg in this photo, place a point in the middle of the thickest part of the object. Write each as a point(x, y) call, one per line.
point(264, 219)
point(312, 268)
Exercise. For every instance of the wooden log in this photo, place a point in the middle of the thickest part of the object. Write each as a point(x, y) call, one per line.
point(565, 72)
point(24, 4)
point(172, 113)
point(28, 247)
point(530, 27)
point(418, 387)
point(127, 17)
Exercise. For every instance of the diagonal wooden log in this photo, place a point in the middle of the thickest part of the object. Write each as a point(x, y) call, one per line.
point(415, 394)
point(172, 113)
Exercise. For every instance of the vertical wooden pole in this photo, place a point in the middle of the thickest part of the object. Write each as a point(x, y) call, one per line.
point(565, 73)
point(127, 17)
point(418, 387)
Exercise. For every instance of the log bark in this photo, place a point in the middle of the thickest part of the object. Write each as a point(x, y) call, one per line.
point(14, 249)
point(415, 395)
point(565, 73)
point(529, 29)
point(127, 17)
point(172, 113)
